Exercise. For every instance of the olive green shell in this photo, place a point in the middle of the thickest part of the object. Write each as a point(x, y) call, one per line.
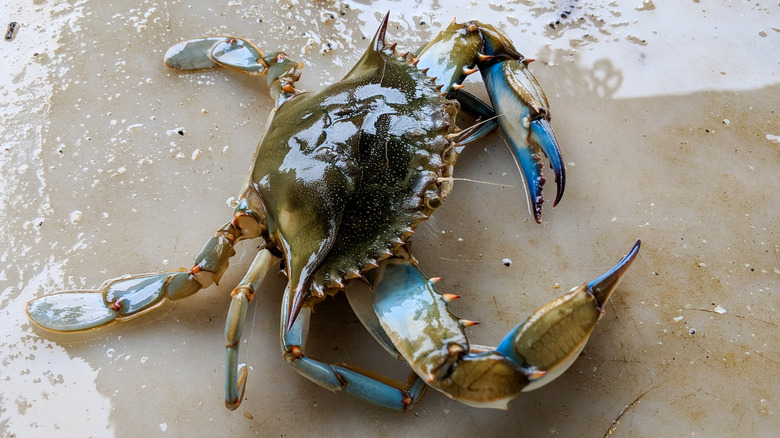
point(346, 174)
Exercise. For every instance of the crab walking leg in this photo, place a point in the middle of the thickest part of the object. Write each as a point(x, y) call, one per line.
point(361, 384)
point(242, 295)
point(126, 297)
point(360, 300)
point(465, 48)
point(416, 317)
point(487, 121)
point(237, 54)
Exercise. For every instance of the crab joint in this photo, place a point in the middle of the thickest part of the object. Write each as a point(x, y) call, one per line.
point(296, 352)
point(407, 400)
point(246, 291)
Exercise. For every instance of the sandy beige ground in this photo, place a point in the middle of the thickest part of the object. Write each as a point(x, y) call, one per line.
point(668, 120)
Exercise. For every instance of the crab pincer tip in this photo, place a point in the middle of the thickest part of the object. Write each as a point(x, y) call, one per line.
point(602, 287)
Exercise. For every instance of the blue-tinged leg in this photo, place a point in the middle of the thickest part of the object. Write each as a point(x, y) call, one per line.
point(417, 319)
point(487, 121)
point(360, 300)
point(242, 295)
point(358, 383)
point(123, 298)
point(241, 55)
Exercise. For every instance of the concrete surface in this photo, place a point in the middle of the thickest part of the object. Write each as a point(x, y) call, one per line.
point(667, 116)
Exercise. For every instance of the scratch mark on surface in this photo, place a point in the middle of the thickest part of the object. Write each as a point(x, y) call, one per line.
point(614, 425)
point(498, 309)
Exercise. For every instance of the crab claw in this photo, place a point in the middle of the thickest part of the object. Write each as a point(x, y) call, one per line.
point(416, 318)
point(524, 117)
point(548, 342)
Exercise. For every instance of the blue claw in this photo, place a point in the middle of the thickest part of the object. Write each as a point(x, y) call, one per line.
point(543, 137)
point(602, 287)
point(523, 109)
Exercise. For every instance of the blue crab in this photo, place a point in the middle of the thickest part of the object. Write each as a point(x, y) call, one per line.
point(340, 180)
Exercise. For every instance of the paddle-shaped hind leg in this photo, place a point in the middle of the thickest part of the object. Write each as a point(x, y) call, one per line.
point(126, 297)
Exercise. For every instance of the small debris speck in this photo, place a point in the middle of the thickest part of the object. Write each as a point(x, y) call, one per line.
point(75, 216)
point(11, 32)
